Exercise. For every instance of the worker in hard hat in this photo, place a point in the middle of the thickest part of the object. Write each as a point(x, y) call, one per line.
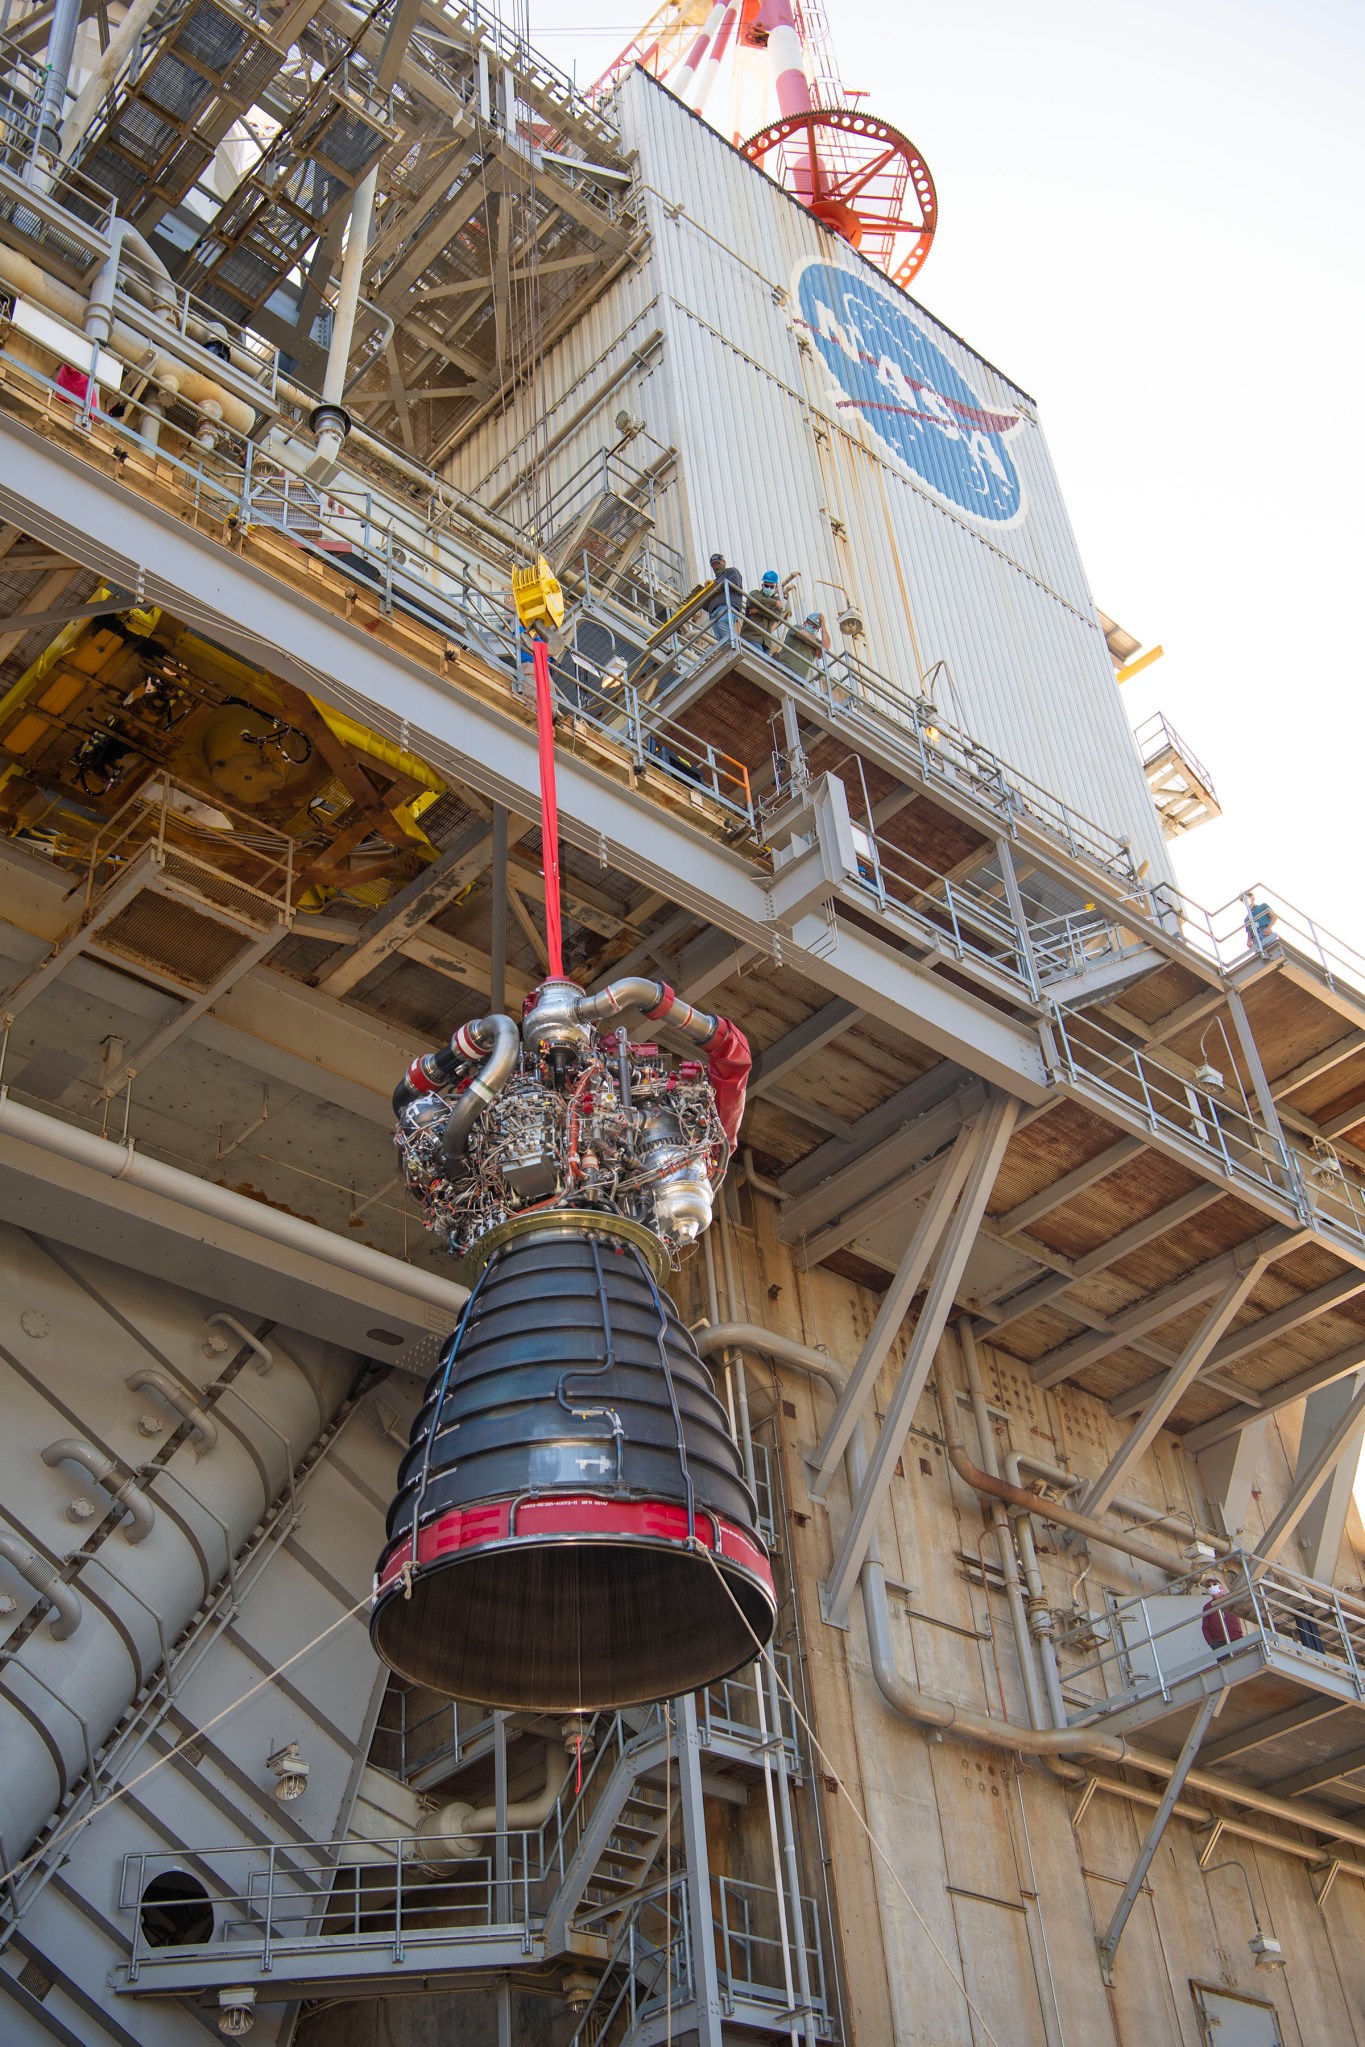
point(803, 646)
point(765, 613)
point(724, 605)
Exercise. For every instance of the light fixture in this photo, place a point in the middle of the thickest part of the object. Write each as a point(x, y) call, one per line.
point(236, 2010)
point(291, 1773)
point(1265, 1949)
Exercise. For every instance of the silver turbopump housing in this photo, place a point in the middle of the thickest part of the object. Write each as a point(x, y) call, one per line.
point(553, 1023)
point(682, 1193)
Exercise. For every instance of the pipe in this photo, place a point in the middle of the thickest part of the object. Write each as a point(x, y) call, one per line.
point(499, 1037)
point(104, 1472)
point(928, 1710)
point(1004, 1541)
point(176, 376)
point(48, 1583)
point(264, 1358)
point(148, 1379)
point(658, 1002)
point(329, 420)
point(753, 1178)
point(451, 1833)
point(1018, 1461)
point(1046, 1510)
point(125, 1162)
point(61, 46)
point(91, 95)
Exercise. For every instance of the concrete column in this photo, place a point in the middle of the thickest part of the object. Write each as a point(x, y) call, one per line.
point(1228, 1472)
point(1324, 1522)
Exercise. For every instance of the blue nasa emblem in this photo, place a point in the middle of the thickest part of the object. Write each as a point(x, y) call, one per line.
point(912, 397)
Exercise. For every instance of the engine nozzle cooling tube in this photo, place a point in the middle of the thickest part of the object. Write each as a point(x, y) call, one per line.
point(496, 1042)
point(658, 1002)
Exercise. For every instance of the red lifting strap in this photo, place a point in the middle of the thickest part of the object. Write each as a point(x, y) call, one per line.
point(549, 805)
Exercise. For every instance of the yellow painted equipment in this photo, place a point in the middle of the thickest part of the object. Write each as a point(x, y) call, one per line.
point(537, 595)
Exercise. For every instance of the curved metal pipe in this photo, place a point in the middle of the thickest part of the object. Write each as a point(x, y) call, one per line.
point(656, 999)
point(500, 1039)
point(264, 1358)
point(48, 1583)
point(451, 1833)
point(104, 1472)
point(149, 1379)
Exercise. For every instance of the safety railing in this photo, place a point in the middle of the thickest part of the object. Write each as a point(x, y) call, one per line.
point(753, 1956)
point(734, 1708)
point(649, 1968)
point(1311, 1178)
point(223, 852)
point(1095, 1058)
point(1146, 1648)
point(1157, 736)
point(265, 1900)
point(859, 696)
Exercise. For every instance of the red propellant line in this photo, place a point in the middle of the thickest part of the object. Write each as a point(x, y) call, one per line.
point(549, 805)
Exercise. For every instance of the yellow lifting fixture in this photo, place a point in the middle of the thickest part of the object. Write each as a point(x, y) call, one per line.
point(537, 595)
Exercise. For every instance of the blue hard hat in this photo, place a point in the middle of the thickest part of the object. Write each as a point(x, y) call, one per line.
point(771, 576)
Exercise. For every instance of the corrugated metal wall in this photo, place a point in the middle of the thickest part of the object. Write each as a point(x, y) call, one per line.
point(778, 469)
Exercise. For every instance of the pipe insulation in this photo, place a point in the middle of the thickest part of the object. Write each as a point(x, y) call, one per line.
point(25, 277)
point(926, 1709)
point(123, 1605)
point(125, 1162)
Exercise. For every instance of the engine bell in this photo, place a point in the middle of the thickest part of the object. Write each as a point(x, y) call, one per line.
point(572, 1527)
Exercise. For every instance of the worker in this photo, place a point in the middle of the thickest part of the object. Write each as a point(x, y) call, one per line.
point(725, 604)
point(1220, 1626)
point(765, 610)
point(1260, 924)
point(803, 646)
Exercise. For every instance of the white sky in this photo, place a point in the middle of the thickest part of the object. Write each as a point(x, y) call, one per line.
point(1150, 217)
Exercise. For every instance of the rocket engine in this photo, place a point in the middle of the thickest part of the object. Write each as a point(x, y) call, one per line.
point(572, 1527)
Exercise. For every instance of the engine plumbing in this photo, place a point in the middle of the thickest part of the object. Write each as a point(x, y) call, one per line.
point(561, 1114)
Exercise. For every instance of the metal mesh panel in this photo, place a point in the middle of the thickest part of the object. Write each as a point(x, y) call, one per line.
point(173, 938)
point(252, 905)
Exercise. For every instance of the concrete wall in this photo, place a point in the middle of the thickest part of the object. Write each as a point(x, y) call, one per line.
point(983, 1879)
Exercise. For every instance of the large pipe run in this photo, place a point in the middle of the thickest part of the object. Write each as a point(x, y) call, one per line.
point(125, 1162)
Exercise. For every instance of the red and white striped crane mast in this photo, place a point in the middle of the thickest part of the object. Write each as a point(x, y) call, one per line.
point(858, 174)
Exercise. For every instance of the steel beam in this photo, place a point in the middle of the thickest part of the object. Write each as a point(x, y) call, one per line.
point(895, 1304)
point(1186, 1292)
point(1277, 1323)
point(1256, 1732)
point(407, 910)
point(1344, 1765)
point(100, 522)
point(1015, 1306)
point(691, 1798)
point(1228, 1473)
point(1344, 1438)
point(994, 1129)
point(925, 1092)
point(1323, 1526)
point(1181, 1375)
point(1109, 1941)
point(1070, 1185)
point(880, 1166)
point(800, 1043)
point(1284, 1395)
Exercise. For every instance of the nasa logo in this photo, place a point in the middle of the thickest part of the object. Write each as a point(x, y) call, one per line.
point(920, 407)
